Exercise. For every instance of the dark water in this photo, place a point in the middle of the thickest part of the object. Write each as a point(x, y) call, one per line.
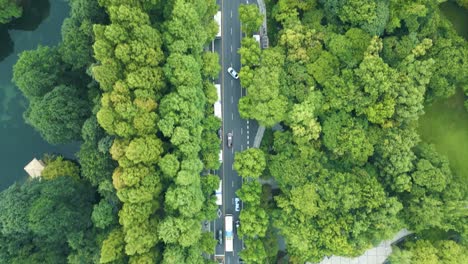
point(19, 142)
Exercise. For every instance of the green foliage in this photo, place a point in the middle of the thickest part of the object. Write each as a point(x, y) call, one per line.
point(60, 167)
point(113, 247)
point(37, 71)
point(103, 215)
point(348, 137)
point(9, 10)
point(59, 115)
point(211, 65)
point(264, 101)
point(250, 52)
point(40, 220)
point(250, 18)
point(424, 251)
point(250, 162)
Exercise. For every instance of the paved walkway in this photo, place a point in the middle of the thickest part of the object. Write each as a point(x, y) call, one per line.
point(376, 255)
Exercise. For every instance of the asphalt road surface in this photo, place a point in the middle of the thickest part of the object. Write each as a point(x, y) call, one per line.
point(243, 130)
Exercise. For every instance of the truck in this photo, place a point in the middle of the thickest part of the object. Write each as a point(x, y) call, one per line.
point(217, 18)
point(228, 233)
point(219, 194)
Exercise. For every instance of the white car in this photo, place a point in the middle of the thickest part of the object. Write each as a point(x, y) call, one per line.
point(233, 73)
point(237, 204)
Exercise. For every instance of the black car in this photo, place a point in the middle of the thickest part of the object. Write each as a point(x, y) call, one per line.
point(220, 237)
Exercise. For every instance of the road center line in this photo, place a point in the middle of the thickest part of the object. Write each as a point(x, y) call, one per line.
point(232, 116)
point(232, 99)
point(232, 183)
point(231, 48)
point(231, 13)
point(231, 31)
point(242, 130)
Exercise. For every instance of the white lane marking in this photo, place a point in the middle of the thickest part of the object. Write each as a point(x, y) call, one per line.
point(248, 142)
point(247, 119)
point(232, 183)
point(232, 151)
point(231, 48)
point(242, 131)
point(248, 131)
point(232, 99)
point(231, 13)
point(248, 136)
point(247, 126)
point(231, 31)
point(232, 166)
point(232, 116)
point(232, 83)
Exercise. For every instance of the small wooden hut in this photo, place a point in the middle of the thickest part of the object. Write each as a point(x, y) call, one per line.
point(34, 168)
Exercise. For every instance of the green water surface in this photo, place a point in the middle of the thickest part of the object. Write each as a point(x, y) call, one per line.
point(445, 123)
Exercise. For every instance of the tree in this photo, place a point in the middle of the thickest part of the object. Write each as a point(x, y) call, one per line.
point(9, 10)
point(59, 115)
point(211, 65)
point(255, 252)
point(348, 137)
point(250, 162)
point(303, 121)
point(76, 46)
point(250, 52)
point(37, 72)
point(113, 247)
point(103, 214)
point(42, 220)
point(425, 251)
point(250, 18)
point(60, 167)
point(146, 150)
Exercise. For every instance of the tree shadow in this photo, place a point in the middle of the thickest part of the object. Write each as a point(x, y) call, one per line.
point(34, 12)
point(6, 45)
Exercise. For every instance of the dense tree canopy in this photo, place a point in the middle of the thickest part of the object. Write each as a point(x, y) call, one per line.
point(347, 82)
point(40, 219)
point(59, 115)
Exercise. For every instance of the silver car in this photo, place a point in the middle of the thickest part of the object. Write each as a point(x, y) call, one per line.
point(237, 204)
point(233, 73)
point(229, 140)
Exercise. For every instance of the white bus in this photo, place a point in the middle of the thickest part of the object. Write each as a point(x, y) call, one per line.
point(229, 234)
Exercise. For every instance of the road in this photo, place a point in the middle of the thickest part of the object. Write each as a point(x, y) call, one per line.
point(243, 130)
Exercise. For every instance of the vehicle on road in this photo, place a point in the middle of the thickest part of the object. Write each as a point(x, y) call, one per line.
point(237, 204)
point(229, 140)
point(237, 224)
point(220, 237)
point(233, 73)
point(220, 134)
point(228, 232)
point(219, 193)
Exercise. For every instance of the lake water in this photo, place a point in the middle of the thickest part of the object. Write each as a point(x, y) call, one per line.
point(445, 123)
point(19, 142)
